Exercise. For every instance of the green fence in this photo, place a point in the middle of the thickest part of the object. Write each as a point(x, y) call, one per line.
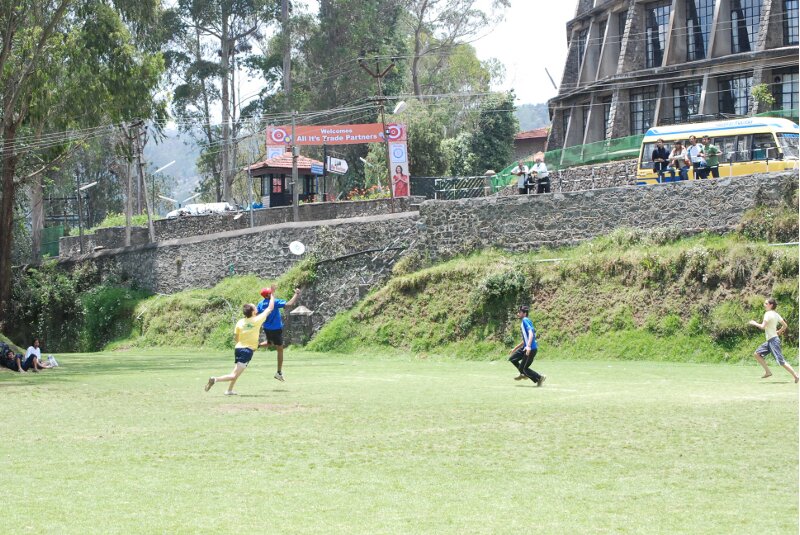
point(50, 236)
point(608, 150)
point(786, 114)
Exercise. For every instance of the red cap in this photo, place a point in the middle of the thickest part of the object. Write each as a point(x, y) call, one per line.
point(265, 292)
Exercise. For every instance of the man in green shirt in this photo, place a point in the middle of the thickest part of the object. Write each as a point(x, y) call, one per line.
point(711, 153)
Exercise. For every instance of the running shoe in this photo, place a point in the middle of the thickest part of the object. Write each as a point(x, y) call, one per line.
point(210, 383)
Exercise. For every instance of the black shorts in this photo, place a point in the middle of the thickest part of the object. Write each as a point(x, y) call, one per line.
point(274, 337)
point(242, 355)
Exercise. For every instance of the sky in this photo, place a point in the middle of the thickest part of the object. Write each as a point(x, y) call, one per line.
point(532, 37)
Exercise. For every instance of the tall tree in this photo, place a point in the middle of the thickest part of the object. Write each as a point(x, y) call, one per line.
point(76, 51)
point(437, 27)
point(208, 36)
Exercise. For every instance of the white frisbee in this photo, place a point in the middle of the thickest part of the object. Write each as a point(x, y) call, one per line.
point(297, 248)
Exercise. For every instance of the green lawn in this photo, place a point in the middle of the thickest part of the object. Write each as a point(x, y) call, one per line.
point(128, 442)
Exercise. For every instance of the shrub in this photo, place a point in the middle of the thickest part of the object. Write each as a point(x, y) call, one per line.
point(670, 324)
point(728, 321)
point(108, 315)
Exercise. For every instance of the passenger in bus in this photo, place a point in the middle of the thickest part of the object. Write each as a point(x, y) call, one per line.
point(660, 159)
point(679, 160)
point(695, 153)
point(711, 153)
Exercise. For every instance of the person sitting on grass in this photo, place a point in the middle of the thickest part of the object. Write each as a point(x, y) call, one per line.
point(16, 361)
point(246, 337)
point(522, 356)
point(37, 362)
point(773, 344)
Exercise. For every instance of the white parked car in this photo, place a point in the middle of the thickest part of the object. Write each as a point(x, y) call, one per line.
point(202, 209)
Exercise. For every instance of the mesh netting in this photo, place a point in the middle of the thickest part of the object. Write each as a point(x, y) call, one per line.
point(608, 150)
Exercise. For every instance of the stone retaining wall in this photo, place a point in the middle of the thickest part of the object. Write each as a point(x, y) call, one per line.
point(522, 223)
point(203, 261)
point(105, 238)
point(186, 226)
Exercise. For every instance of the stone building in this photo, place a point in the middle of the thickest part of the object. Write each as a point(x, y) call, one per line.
point(633, 64)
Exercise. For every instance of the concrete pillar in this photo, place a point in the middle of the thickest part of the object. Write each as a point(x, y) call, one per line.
point(676, 34)
point(300, 325)
point(620, 116)
point(612, 43)
point(770, 32)
point(632, 53)
point(591, 55)
point(596, 128)
point(719, 42)
point(663, 105)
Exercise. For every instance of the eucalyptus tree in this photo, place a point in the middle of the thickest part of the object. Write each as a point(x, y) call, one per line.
point(210, 38)
point(65, 65)
point(438, 28)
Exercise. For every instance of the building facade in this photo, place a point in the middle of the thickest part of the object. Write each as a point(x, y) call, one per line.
point(634, 64)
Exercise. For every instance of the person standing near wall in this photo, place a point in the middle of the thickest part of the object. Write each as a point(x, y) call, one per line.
point(678, 160)
point(521, 172)
point(660, 158)
point(273, 326)
point(539, 170)
point(695, 153)
point(773, 344)
point(711, 152)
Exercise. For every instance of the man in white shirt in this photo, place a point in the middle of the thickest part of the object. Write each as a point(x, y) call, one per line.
point(36, 362)
point(540, 173)
point(773, 344)
point(695, 151)
point(521, 172)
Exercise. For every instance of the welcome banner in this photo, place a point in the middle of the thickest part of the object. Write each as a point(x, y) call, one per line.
point(350, 134)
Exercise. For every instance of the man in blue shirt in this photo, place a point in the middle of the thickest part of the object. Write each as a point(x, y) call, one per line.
point(273, 326)
point(522, 356)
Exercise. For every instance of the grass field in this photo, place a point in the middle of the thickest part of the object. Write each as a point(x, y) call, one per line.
point(128, 442)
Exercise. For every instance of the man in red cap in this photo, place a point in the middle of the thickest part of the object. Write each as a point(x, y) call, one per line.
point(273, 326)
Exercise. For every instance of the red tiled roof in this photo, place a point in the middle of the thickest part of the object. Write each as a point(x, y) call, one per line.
point(284, 161)
point(538, 133)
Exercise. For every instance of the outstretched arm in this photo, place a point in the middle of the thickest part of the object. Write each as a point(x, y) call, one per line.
point(754, 323)
point(293, 300)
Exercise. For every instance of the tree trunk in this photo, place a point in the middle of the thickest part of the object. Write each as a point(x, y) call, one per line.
point(37, 219)
point(287, 53)
point(226, 112)
point(7, 215)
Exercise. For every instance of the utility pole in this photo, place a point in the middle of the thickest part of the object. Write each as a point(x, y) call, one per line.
point(138, 135)
point(80, 211)
point(379, 74)
point(295, 191)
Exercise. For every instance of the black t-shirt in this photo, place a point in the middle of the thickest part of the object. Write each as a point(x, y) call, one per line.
point(662, 153)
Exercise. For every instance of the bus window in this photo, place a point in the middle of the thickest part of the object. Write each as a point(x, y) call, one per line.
point(764, 147)
point(727, 148)
point(743, 148)
point(647, 156)
point(789, 145)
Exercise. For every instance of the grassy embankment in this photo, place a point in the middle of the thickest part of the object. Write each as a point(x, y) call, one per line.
point(630, 295)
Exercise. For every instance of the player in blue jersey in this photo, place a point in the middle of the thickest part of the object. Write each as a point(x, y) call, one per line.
point(522, 356)
point(273, 327)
